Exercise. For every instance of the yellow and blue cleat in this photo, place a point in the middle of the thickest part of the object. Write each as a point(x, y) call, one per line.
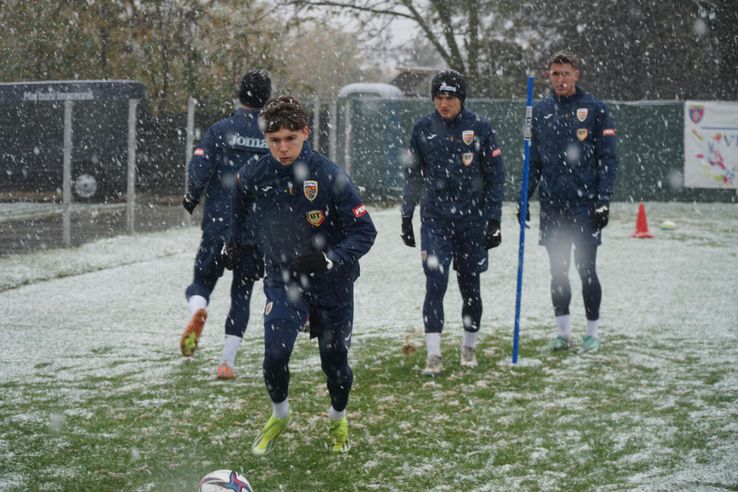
point(265, 441)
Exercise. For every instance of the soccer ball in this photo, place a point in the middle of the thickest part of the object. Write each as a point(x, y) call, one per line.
point(668, 225)
point(221, 480)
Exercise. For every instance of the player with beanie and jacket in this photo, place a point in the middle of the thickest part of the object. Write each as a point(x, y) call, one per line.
point(227, 145)
point(456, 174)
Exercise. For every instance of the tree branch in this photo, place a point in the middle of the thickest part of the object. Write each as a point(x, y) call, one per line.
point(455, 60)
point(347, 6)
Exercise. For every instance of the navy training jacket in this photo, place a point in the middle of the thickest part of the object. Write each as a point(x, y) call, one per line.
point(226, 147)
point(573, 151)
point(456, 171)
point(311, 205)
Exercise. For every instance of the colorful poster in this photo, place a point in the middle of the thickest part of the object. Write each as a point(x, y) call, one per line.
point(710, 144)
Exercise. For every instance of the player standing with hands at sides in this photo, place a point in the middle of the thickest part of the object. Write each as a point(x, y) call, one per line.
point(227, 146)
point(304, 212)
point(456, 173)
point(573, 164)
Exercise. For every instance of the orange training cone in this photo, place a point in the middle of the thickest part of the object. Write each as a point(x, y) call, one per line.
point(641, 231)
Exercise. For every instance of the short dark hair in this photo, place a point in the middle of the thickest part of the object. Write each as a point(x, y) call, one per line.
point(562, 57)
point(283, 112)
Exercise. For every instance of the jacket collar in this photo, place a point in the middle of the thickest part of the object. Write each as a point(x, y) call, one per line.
point(453, 122)
point(247, 112)
point(567, 99)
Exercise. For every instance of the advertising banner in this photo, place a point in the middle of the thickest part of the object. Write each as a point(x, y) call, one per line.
point(710, 144)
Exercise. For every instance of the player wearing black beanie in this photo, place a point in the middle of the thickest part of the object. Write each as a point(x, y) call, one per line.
point(449, 82)
point(256, 88)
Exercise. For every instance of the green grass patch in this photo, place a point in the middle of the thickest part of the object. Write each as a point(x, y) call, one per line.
point(618, 419)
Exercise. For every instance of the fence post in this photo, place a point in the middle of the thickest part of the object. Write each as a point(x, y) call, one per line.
point(189, 142)
point(131, 185)
point(316, 124)
point(333, 131)
point(347, 137)
point(67, 175)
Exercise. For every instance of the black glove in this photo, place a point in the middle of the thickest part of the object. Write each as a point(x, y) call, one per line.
point(527, 214)
point(315, 262)
point(189, 204)
point(229, 254)
point(493, 234)
point(600, 215)
point(408, 236)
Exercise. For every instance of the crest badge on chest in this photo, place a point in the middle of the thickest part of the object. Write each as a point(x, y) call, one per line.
point(582, 114)
point(467, 136)
point(467, 158)
point(315, 217)
point(582, 134)
point(310, 188)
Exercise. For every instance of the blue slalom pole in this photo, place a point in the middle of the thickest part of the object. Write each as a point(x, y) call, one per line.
point(523, 208)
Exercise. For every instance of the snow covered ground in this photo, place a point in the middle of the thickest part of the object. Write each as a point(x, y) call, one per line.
point(113, 305)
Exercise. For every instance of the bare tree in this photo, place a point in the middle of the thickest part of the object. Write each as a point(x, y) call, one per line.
point(451, 28)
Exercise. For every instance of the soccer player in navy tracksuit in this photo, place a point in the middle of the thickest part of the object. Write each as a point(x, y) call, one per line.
point(457, 175)
point(227, 146)
point(573, 164)
point(304, 212)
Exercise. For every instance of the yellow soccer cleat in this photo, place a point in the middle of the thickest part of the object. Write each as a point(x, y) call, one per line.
point(340, 442)
point(265, 441)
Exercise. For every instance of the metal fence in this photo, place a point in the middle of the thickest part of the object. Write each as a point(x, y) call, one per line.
point(374, 133)
point(53, 148)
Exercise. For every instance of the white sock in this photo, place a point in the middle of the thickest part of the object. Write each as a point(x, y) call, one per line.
point(433, 344)
point(230, 347)
point(563, 323)
point(334, 414)
point(197, 302)
point(592, 327)
point(281, 410)
point(470, 339)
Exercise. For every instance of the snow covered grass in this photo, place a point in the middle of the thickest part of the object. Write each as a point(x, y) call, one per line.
point(95, 395)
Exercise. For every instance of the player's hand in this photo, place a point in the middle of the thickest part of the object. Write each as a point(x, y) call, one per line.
point(408, 236)
point(601, 215)
point(527, 214)
point(189, 204)
point(493, 234)
point(314, 262)
point(229, 254)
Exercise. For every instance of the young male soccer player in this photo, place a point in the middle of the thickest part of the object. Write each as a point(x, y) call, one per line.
point(304, 212)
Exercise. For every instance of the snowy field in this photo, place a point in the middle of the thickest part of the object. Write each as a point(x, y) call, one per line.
point(115, 309)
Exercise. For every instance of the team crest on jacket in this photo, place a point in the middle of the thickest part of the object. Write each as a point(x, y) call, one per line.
point(199, 152)
point(467, 158)
point(467, 136)
point(315, 217)
point(310, 188)
point(582, 134)
point(582, 114)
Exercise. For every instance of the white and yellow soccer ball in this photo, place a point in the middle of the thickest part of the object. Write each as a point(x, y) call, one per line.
point(222, 480)
point(668, 225)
